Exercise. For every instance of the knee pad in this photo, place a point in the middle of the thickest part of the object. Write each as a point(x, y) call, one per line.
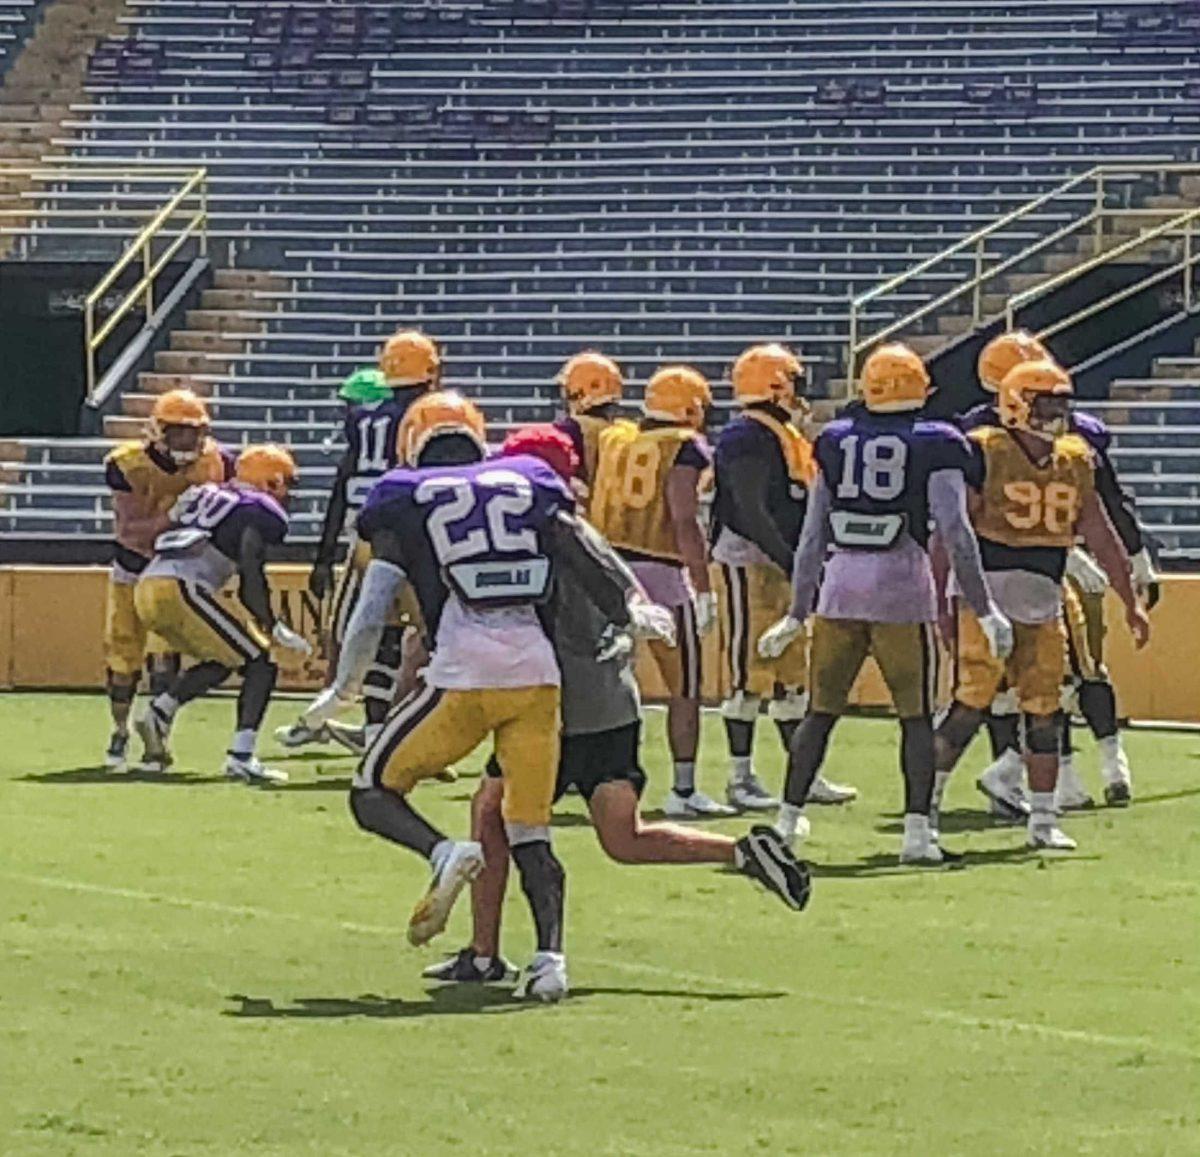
point(120, 688)
point(1006, 703)
point(740, 707)
point(1098, 705)
point(163, 671)
point(1043, 734)
point(959, 725)
point(791, 707)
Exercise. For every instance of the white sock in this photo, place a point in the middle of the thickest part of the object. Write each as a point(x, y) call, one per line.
point(741, 768)
point(685, 776)
point(1113, 764)
point(916, 828)
point(788, 820)
point(940, 779)
point(243, 743)
point(1010, 767)
point(441, 850)
point(1042, 812)
point(166, 705)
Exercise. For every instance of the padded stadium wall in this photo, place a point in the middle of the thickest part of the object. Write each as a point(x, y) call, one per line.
point(52, 623)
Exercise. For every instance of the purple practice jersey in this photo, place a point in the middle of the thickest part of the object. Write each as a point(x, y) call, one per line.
point(370, 431)
point(474, 530)
point(204, 543)
point(877, 468)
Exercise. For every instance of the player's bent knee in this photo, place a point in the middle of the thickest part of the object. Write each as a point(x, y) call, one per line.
point(960, 725)
point(370, 807)
point(1042, 734)
point(741, 706)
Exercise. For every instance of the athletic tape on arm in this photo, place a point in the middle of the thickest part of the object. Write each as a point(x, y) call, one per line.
point(382, 582)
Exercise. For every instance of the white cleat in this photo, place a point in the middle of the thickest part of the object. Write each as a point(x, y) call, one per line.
point(544, 979)
point(694, 806)
point(252, 770)
point(154, 730)
point(822, 791)
point(798, 835)
point(1114, 768)
point(927, 853)
point(299, 734)
point(749, 795)
point(1051, 838)
point(462, 864)
point(1005, 793)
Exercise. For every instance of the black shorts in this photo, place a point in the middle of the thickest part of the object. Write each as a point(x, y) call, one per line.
point(587, 761)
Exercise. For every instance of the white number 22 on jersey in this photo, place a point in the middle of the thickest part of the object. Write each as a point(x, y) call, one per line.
point(514, 498)
point(878, 472)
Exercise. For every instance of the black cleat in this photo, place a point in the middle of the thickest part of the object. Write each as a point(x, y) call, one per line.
point(116, 757)
point(463, 968)
point(763, 855)
point(1117, 794)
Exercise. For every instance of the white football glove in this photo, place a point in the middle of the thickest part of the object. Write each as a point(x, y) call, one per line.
point(287, 638)
point(1144, 574)
point(999, 632)
point(706, 612)
point(648, 620)
point(325, 706)
point(779, 636)
point(1086, 572)
point(615, 646)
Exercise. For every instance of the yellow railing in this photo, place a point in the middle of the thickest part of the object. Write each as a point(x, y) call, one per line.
point(142, 246)
point(1181, 225)
point(1092, 187)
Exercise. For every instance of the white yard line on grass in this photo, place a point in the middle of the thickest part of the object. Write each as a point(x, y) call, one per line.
point(920, 1012)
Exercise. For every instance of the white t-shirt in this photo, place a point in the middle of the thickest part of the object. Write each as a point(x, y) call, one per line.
point(477, 649)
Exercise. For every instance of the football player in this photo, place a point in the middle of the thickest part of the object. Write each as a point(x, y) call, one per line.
point(645, 501)
point(146, 477)
point(220, 531)
point(883, 476)
point(482, 544)
point(591, 386)
point(601, 734)
point(764, 466)
point(410, 364)
point(1037, 493)
point(1084, 613)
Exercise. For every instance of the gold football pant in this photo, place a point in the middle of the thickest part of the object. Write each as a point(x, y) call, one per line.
point(1034, 670)
point(1084, 618)
point(906, 653)
point(197, 624)
point(680, 665)
point(756, 597)
point(126, 640)
point(434, 728)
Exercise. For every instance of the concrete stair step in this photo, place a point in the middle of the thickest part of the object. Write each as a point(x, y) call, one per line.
point(137, 405)
point(223, 321)
point(203, 339)
point(155, 383)
point(260, 279)
point(951, 324)
point(227, 299)
point(189, 362)
point(119, 426)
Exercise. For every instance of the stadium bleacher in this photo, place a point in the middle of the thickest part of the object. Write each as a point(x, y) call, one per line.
point(670, 181)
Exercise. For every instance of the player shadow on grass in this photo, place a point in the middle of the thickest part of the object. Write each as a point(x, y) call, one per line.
point(886, 864)
point(450, 1000)
point(101, 775)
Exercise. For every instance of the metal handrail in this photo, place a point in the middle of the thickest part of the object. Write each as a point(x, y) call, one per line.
point(1181, 223)
point(976, 244)
point(142, 246)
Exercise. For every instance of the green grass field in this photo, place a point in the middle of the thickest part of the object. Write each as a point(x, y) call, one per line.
point(193, 967)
